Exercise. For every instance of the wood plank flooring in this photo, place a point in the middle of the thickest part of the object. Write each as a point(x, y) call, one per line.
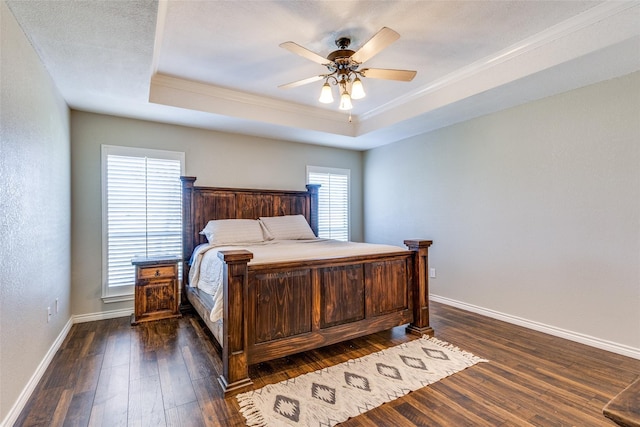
point(163, 373)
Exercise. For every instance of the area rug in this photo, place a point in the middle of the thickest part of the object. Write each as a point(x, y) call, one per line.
point(332, 395)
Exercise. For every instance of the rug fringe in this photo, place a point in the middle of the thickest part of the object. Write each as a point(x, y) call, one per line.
point(250, 411)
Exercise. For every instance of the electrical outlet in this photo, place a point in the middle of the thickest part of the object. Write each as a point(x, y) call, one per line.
point(432, 273)
point(48, 314)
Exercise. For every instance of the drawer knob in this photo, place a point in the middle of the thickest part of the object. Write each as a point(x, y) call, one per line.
point(157, 272)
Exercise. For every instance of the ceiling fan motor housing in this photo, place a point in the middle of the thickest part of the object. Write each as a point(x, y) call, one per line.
point(341, 59)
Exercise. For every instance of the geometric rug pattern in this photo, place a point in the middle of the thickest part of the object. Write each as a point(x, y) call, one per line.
point(329, 396)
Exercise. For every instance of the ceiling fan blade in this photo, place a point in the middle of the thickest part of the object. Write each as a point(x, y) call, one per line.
point(302, 82)
point(375, 44)
point(381, 73)
point(304, 52)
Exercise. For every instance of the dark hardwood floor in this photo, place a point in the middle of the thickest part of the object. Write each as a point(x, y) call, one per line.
point(108, 373)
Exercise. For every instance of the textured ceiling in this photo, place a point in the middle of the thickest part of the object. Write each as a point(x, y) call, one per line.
point(217, 64)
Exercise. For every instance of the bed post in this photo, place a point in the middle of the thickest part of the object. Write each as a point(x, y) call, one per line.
point(313, 208)
point(187, 233)
point(235, 367)
point(420, 281)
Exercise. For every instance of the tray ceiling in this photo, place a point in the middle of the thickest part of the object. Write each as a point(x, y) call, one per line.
point(217, 64)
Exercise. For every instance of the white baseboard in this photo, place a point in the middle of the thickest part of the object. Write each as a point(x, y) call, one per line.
point(541, 327)
point(624, 350)
point(17, 408)
point(14, 412)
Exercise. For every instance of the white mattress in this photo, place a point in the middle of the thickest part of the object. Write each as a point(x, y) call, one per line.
point(206, 269)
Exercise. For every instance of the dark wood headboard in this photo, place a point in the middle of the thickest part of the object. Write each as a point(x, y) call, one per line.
point(202, 204)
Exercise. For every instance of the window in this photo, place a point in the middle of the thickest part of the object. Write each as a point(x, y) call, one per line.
point(333, 201)
point(141, 212)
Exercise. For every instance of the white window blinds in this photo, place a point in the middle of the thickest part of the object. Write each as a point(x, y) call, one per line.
point(333, 201)
point(142, 211)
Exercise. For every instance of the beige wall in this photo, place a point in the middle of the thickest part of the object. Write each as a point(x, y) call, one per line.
point(217, 159)
point(534, 211)
point(35, 221)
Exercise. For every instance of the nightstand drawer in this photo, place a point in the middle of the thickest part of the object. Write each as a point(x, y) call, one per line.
point(156, 272)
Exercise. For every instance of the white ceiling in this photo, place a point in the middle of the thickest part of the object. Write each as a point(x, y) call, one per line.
point(217, 64)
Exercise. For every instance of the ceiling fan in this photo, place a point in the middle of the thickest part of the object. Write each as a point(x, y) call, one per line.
point(344, 67)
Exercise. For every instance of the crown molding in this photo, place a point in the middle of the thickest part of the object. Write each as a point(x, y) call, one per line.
point(595, 15)
point(161, 19)
point(230, 95)
point(183, 93)
point(600, 27)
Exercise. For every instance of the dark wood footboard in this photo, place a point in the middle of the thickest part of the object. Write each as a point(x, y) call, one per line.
point(275, 310)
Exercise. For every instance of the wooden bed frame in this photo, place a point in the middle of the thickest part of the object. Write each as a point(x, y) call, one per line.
point(274, 310)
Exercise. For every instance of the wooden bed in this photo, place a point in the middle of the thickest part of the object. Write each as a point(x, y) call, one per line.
point(274, 310)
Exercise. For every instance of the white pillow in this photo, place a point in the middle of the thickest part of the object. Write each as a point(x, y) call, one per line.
point(288, 227)
point(224, 231)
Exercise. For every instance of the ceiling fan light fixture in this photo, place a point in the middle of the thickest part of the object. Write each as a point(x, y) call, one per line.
point(326, 96)
point(357, 90)
point(344, 70)
point(345, 101)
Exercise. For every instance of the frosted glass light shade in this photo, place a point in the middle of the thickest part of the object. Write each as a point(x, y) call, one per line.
point(326, 97)
point(357, 91)
point(345, 101)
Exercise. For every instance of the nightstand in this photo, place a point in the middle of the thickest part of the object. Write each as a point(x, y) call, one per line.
point(156, 288)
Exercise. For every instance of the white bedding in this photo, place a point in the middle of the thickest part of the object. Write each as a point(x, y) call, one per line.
point(206, 269)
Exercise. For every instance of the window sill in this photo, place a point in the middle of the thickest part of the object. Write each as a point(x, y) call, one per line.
point(117, 298)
